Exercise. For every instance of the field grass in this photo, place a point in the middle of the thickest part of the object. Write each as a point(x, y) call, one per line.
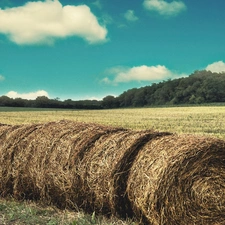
point(205, 120)
point(30, 213)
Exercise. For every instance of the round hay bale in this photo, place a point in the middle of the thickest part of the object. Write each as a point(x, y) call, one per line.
point(179, 179)
point(42, 159)
point(104, 170)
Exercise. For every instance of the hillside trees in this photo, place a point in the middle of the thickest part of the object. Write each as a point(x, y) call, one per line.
point(199, 87)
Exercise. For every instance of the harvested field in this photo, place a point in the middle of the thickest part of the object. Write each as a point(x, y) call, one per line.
point(160, 178)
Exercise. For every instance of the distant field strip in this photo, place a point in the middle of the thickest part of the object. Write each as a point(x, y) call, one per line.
point(208, 120)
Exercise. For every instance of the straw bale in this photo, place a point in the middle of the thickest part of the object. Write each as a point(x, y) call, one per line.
point(104, 170)
point(161, 178)
point(179, 179)
point(42, 159)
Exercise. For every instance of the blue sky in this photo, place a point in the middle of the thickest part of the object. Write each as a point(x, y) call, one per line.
point(88, 49)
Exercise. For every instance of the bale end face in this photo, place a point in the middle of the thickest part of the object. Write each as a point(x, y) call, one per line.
point(179, 179)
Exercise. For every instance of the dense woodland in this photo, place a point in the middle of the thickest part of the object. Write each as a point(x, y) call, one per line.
point(198, 88)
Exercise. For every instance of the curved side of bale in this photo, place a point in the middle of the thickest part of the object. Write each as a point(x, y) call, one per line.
point(3, 129)
point(43, 159)
point(33, 163)
point(121, 171)
point(179, 179)
point(10, 139)
point(104, 170)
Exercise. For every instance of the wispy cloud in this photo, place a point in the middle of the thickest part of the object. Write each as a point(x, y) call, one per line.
point(2, 77)
point(130, 16)
point(43, 22)
point(165, 8)
point(98, 4)
point(30, 95)
point(216, 67)
point(139, 73)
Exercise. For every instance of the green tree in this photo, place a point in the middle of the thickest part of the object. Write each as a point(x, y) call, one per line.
point(109, 102)
point(6, 101)
point(42, 102)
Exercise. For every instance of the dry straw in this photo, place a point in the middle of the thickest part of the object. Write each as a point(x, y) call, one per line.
point(179, 180)
point(161, 178)
point(104, 170)
point(38, 161)
point(4, 129)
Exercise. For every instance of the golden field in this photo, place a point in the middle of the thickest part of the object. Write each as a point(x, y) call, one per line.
point(203, 120)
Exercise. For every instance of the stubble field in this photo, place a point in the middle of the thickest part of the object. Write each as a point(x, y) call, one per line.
point(205, 120)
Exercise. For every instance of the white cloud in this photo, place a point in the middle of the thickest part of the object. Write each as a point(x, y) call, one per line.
point(216, 67)
point(92, 98)
point(30, 95)
point(140, 73)
point(2, 78)
point(165, 8)
point(43, 22)
point(85, 97)
point(130, 16)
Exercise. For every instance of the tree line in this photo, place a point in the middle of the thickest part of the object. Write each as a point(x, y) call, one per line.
point(198, 88)
point(45, 102)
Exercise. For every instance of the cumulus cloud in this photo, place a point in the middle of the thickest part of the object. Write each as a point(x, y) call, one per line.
point(30, 95)
point(43, 22)
point(2, 78)
point(139, 73)
point(165, 8)
point(216, 67)
point(130, 16)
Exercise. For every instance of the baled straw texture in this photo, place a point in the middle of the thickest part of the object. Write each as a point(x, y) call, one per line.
point(179, 179)
point(38, 161)
point(7, 148)
point(3, 129)
point(163, 179)
point(104, 170)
